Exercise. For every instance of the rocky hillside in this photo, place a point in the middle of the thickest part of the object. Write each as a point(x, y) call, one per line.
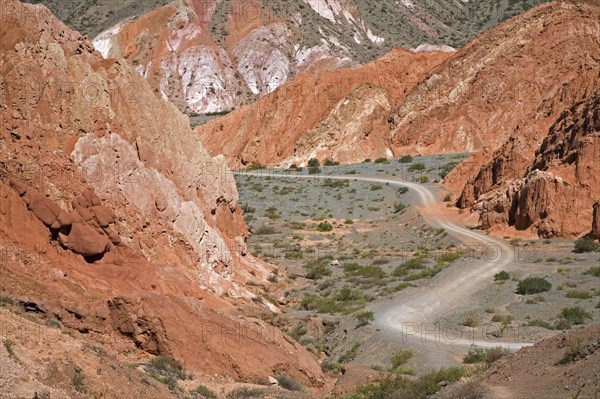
point(115, 228)
point(339, 114)
point(564, 366)
point(213, 56)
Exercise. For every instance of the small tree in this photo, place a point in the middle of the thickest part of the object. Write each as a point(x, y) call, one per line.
point(313, 162)
point(501, 276)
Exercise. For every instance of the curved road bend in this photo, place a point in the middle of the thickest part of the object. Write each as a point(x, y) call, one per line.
point(411, 314)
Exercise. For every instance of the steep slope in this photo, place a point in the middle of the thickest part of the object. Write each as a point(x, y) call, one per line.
point(339, 114)
point(213, 56)
point(408, 23)
point(540, 371)
point(115, 221)
point(557, 193)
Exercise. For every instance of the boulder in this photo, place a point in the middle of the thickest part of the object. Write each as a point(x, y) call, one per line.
point(103, 215)
point(84, 240)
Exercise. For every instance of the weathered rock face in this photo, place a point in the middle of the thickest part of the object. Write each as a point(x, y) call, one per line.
point(558, 191)
point(595, 233)
point(114, 210)
point(340, 114)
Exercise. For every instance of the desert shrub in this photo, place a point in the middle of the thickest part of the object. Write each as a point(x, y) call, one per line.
point(470, 319)
point(350, 353)
point(593, 271)
point(314, 170)
point(247, 208)
point(335, 183)
point(316, 269)
point(78, 381)
point(331, 367)
point(324, 227)
point(577, 294)
point(447, 168)
point(423, 179)
point(382, 160)
point(376, 187)
point(405, 159)
point(541, 323)
point(245, 392)
point(575, 315)
point(167, 367)
point(402, 190)
point(272, 213)
point(398, 386)
point(448, 198)
point(501, 276)
point(8, 345)
point(203, 392)
point(399, 207)
point(313, 162)
point(364, 317)
point(411, 264)
point(500, 318)
point(289, 383)
point(449, 257)
point(575, 350)
point(330, 162)
point(480, 355)
point(417, 167)
point(400, 358)
point(533, 285)
point(585, 244)
point(266, 230)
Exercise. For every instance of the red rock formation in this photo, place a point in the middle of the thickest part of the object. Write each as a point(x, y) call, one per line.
point(557, 194)
point(595, 233)
point(309, 116)
point(115, 212)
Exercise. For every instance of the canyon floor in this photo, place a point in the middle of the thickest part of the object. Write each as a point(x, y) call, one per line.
point(380, 237)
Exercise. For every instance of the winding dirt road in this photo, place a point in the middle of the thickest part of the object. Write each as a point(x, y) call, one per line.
point(412, 316)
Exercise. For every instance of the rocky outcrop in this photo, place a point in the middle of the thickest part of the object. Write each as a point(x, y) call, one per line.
point(595, 233)
point(111, 210)
point(558, 194)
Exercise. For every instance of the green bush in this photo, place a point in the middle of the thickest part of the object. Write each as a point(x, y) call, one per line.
point(398, 386)
point(364, 317)
point(533, 285)
point(317, 269)
point(406, 159)
point(501, 276)
point(593, 271)
point(447, 168)
point(541, 323)
point(78, 381)
point(382, 160)
point(166, 365)
point(331, 367)
point(400, 358)
point(480, 355)
point(577, 294)
point(417, 167)
point(586, 244)
point(313, 162)
point(376, 187)
point(330, 162)
point(423, 179)
point(575, 351)
point(402, 190)
point(314, 170)
point(575, 315)
point(324, 227)
point(289, 383)
point(399, 207)
point(202, 392)
point(350, 353)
